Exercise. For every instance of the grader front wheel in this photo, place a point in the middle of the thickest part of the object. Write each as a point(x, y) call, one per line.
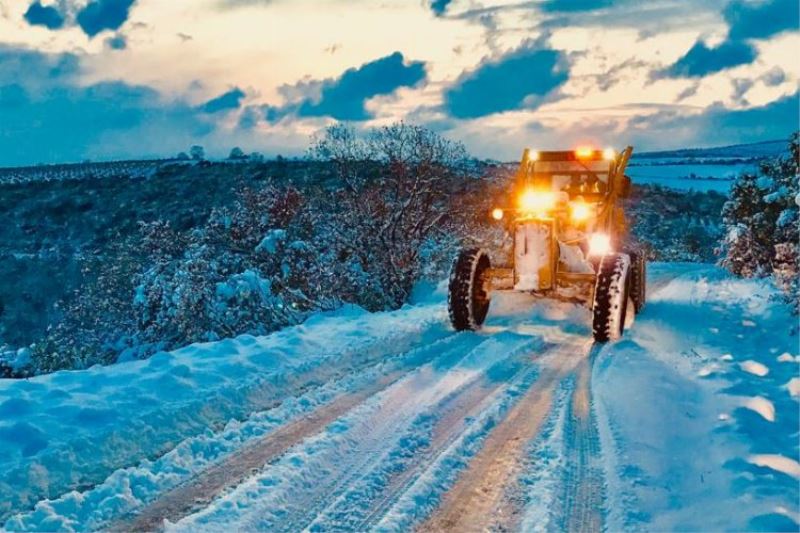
point(611, 297)
point(468, 299)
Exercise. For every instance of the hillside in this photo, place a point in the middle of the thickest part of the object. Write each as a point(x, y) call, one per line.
point(61, 215)
point(62, 221)
point(760, 150)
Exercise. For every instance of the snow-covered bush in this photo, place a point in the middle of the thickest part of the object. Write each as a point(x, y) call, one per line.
point(237, 274)
point(356, 224)
point(761, 219)
point(96, 323)
point(15, 363)
point(674, 225)
point(395, 191)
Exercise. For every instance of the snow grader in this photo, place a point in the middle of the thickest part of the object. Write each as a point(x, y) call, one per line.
point(568, 227)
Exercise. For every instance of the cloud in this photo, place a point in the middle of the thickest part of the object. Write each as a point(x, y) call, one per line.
point(99, 15)
point(48, 16)
point(575, 5)
point(251, 116)
point(117, 42)
point(439, 6)
point(224, 102)
point(35, 70)
point(614, 75)
point(718, 125)
point(49, 116)
point(758, 20)
point(702, 60)
point(233, 4)
point(773, 77)
point(740, 88)
point(344, 98)
point(508, 84)
point(688, 92)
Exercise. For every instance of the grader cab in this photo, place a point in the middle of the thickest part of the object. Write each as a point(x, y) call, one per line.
point(568, 227)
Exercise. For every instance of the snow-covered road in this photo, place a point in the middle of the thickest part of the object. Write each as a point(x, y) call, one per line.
point(391, 421)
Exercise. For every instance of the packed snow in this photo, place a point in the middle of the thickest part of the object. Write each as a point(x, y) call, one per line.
point(702, 450)
point(695, 413)
point(73, 429)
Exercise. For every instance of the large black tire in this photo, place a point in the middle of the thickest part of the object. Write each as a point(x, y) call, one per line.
point(467, 300)
point(638, 281)
point(611, 295)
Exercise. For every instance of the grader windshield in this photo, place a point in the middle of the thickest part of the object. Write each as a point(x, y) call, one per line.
point(584, 173)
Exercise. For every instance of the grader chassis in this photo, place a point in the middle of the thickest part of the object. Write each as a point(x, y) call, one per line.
point(568, 228)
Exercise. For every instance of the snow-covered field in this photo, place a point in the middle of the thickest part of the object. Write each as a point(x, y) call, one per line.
point(701, 169)
point(678, 175)
point(388, 421)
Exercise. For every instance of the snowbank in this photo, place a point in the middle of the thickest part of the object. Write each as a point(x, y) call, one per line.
point(71, 429)
point(695, 402)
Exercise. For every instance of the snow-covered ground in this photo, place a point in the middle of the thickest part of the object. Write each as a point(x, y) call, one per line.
point(698, 177)
point(701, 410)
point(356, 421)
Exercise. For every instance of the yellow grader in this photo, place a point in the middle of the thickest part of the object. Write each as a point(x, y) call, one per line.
point(568, 227)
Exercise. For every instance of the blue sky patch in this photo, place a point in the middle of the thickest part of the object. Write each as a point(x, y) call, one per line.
point(48, 16)
point(344, 98)
point(702, 60)
point(99, 15)
point(575, 5)
point(225, 102)
point(759, 20)
point(504, 85)
point(439, 6)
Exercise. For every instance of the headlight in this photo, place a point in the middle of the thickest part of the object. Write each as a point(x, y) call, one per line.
point(580, 211)
point(533, 201)
point(609, 154)
point(599, 244)
point(497, 213)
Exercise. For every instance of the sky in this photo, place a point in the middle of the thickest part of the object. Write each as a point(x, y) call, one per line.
point(116, 79)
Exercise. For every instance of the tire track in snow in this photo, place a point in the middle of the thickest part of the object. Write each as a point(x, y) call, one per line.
point(72, 495)
point(478, 500)
point(232, 469)
point(236, 468)
point(582, 503)
point(444, 418)
point(454, 416)
point(289, 494)
point(581, 500)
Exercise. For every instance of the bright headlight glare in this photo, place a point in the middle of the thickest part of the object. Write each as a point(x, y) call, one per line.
point(533, 201)
point(580, 211)
point(609, 154)
point(497, 213)
point(599, 244)
point(583, 152)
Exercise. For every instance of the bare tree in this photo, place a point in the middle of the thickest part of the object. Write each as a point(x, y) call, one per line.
point(397, 184)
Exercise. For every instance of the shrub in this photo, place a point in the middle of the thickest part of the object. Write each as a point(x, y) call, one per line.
point(761, 220)
point(97, 321)
point(235, 275)
point(394, 194)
